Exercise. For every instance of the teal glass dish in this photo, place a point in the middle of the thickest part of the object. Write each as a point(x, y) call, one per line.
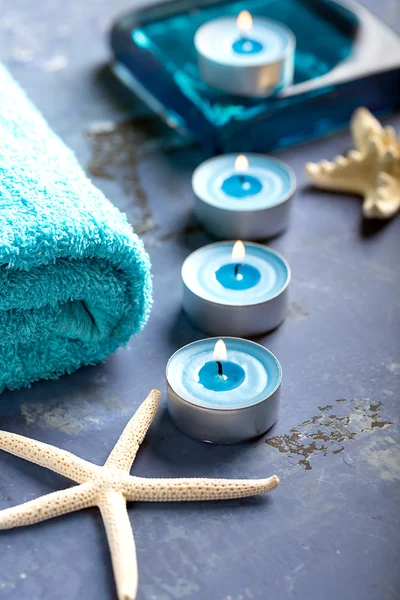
point(345, 57)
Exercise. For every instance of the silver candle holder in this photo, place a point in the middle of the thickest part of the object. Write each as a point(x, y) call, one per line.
point(247, 197)
point(245, 57)
point(242, 406)
point(235, 294)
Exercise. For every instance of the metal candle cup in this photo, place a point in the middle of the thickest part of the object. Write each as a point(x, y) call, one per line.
point(243, 197)
point(221, 300)
point(253, 59)
point(241, 407)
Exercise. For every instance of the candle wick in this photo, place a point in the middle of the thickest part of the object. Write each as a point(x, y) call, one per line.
point(242, 178)
point(220, 370)
point(237, 267)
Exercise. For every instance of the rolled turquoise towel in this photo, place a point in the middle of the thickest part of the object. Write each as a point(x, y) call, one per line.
point(74, 278)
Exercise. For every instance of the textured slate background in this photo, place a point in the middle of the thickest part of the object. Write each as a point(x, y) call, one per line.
point(331, 529)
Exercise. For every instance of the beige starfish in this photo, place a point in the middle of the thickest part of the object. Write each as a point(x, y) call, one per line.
point(372, 170)
point(110, 487)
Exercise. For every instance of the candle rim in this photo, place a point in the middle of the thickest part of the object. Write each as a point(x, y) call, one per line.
point(243, 60)
point(244, 305)
point(242, 207)
point(220, 408)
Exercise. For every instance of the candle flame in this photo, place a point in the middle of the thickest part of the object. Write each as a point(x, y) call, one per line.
point(241, 163)
point(244, 23)
point(220, 351)
point(238, 252)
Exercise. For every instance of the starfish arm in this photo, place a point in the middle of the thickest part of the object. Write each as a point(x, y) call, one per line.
point(347, 174)
point(166, 490)
point(363, 126)
point(47, 507)
point(390, 138)
point(121, 542)
point(384, 201)
point(48, 456)
point(124, 452)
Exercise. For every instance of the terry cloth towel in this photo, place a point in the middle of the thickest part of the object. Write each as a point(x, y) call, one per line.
point(74, 278)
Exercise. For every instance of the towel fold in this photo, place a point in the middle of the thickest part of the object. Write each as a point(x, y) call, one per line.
point(74, 279)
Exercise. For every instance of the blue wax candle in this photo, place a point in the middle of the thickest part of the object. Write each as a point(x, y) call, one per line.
point(245, 58)
point(221, 376)
point(246, 45)
point(235, 288)
point(250, 374)
point(245, 197)
point(210, 273)
point(236, 276)
point(241, 185)
point(223, 390)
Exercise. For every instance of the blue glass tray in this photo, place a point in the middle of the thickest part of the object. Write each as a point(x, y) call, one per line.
point(345, 57)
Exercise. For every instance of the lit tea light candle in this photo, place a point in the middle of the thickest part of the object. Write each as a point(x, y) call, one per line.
point(235, 289)
point(246, 56)
point(223, 391)
point(241, 184)
point(246, 45)
point(247, 197)
point(238, 275)
point(221, 374)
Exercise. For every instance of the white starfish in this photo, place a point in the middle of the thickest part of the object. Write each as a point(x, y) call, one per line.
point(372, 170)
point(110, 487)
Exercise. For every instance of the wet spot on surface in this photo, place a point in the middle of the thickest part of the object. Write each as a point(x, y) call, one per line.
point(116, 152)
point(330, 430)
point(295, 311)
point(99, 379)
point(187, 231)
point(385, 457)
point(67, 416)
point(394, 368)
point(56, 63)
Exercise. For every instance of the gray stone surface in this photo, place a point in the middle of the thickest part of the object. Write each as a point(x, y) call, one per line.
point(331, 529)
